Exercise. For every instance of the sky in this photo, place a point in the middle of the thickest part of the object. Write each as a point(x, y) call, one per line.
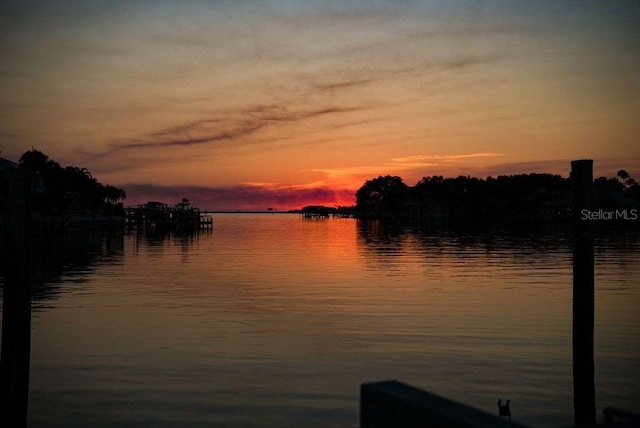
point(244, 105)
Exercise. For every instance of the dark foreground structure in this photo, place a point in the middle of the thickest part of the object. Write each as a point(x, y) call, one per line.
point(16, 248)
point(393, 404)
point(584, 393)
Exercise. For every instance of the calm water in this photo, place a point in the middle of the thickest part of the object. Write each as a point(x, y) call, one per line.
point(271, 320)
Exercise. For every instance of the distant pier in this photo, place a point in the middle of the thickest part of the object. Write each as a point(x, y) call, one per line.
point(163, 216)
point(320, 211)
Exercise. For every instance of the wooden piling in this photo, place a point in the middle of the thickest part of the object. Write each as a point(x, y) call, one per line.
point(16, 312)
point(584, 401)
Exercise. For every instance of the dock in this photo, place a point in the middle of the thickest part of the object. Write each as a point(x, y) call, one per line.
point(320, 211)
point(159, 215)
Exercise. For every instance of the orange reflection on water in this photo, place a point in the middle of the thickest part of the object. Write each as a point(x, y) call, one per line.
point(267, 308)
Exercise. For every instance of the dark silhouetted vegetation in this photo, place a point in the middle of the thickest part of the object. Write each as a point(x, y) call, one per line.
point(523, 196)
point(619, 192)
point(382, 197)
point(59, 191)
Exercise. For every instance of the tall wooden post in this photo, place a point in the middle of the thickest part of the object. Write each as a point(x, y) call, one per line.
point(584, 395)
point(16, 309)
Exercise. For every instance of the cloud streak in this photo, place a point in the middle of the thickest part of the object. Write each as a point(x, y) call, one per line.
point(236, 132)
point(411, 167)
point(446, 158)
point(228, 129)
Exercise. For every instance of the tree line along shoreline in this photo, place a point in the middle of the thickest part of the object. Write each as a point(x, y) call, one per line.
point(535, 196)
point(59, 192)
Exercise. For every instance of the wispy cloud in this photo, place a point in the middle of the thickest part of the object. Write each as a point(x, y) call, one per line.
point(228, 129)
point(446, 158)
point(601, 167)
point(184, 128)
point(258, 184)
point(345, 84)
point(409, 167)
point(238, 131)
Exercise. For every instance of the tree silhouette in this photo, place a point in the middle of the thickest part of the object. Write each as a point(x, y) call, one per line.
point(59, 190)
point(48, 182)
point(626, 180)
point(382, 196)
point(35, 161)
point(113, 194)
point(466, 197)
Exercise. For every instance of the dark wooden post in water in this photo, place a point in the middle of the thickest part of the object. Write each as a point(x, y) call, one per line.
point(16, 309)
point(584, 395)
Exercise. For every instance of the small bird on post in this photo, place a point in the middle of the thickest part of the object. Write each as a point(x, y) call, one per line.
point(504, 410)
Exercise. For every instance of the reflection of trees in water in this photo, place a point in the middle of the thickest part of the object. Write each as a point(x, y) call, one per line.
point(61, 258)
point(617, 248)
point(458, 235)
point(619, 240)
point(542, 240)
point(155, 240)
point(378, 233)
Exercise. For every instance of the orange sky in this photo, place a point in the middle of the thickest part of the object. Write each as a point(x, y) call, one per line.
point(244, 105)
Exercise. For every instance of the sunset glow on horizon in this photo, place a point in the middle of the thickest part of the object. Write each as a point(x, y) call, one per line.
point(246, 105)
